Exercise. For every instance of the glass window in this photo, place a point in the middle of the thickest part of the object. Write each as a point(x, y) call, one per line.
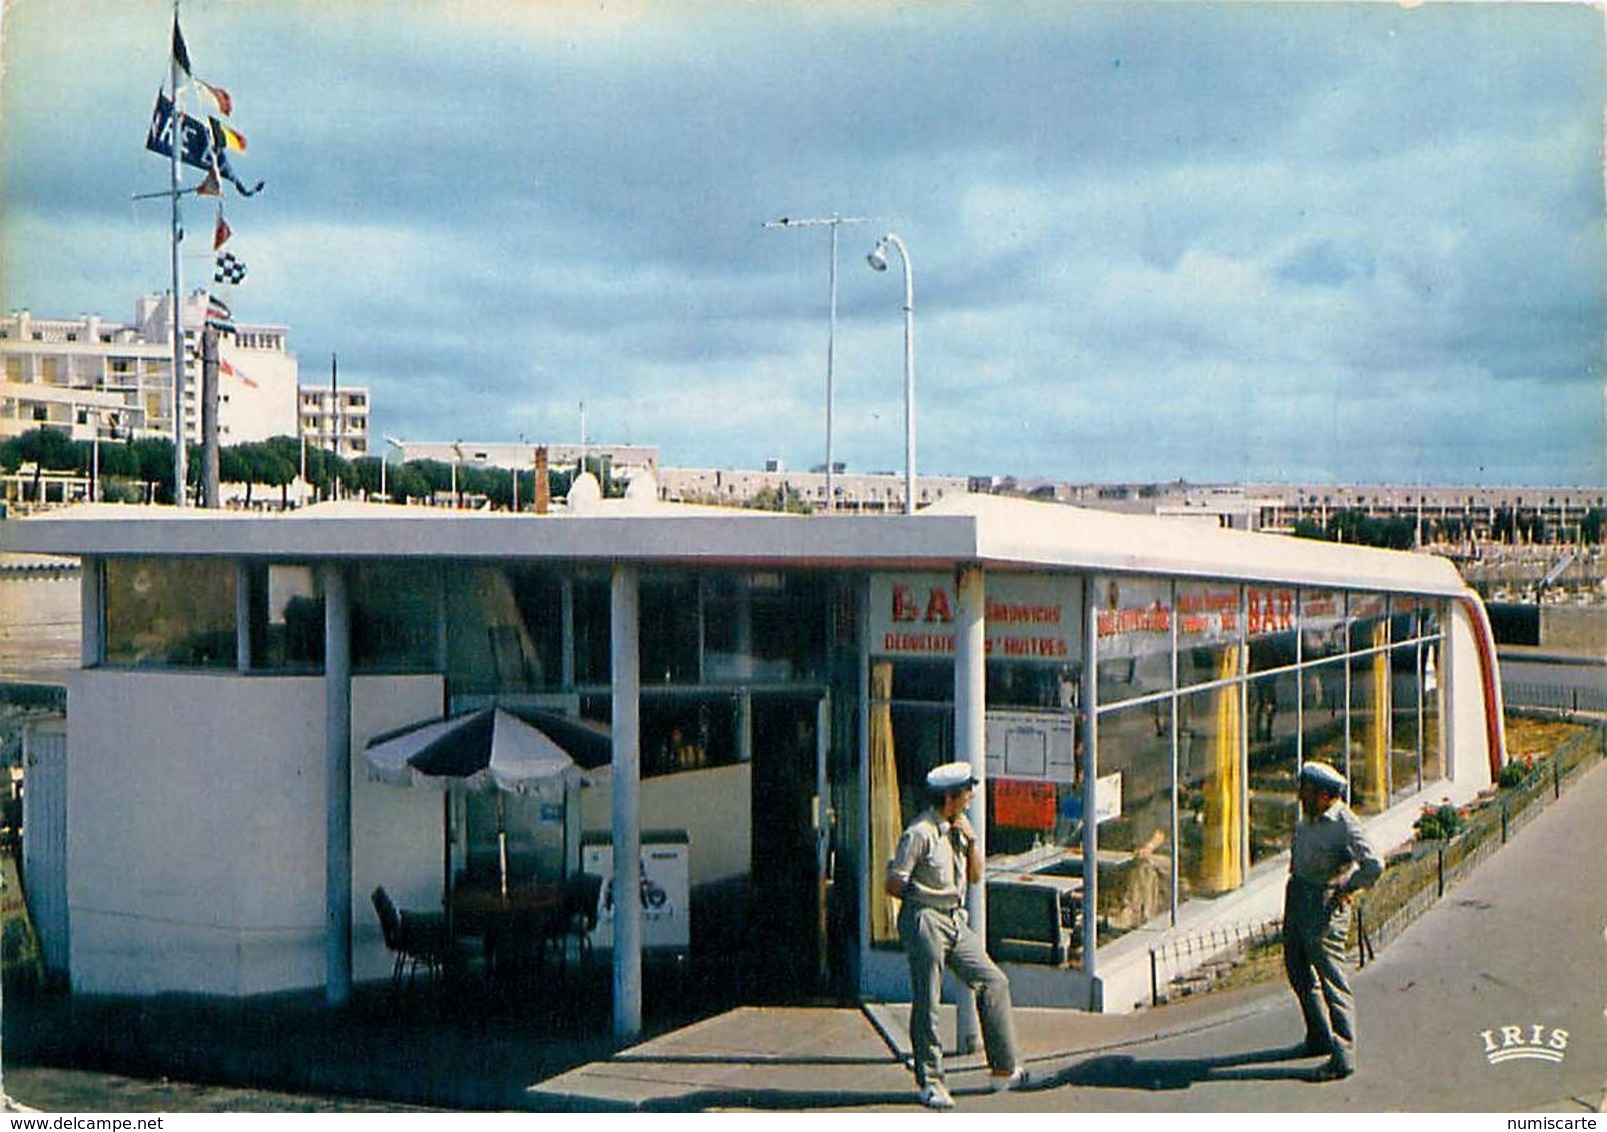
point(1270, 627)
point(1406, 735)
point(394, 617)
point(764, 627)
point(1322, 703)
point(1134, 637)
point(1274, 762)
point(1207, 632)
point(1369, 705)
point(670, 625)
point(1135, 805)
point(688, 732)
point(170, 613)
point(1322, 620)
point(286, 601)
point(1210, 796)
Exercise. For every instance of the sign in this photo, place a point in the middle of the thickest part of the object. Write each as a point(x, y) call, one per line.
point(664, 893)
point(1022, 804)
point(1027, 617)
point(1038, 746)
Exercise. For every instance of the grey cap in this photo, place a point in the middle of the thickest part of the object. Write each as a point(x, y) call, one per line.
point(950, 776)
point(1323, 776)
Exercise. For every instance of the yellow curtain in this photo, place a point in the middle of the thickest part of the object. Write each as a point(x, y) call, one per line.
point(1222, 863)
point(886, 821)
point(1377, 786)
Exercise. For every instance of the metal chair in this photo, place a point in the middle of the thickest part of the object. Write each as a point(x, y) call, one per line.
point(415, 938)
point(582, 894)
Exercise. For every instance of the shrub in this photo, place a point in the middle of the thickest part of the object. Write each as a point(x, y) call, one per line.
point(1517, 771)
point(1437, 823)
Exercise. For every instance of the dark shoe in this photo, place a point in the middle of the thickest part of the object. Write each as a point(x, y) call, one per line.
point(1331, 1072)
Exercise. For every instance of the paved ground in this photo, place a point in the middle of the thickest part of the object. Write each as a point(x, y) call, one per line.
point(1520, 946)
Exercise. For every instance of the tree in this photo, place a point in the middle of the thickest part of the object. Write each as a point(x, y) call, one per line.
point(46, 447)
point(153, 461)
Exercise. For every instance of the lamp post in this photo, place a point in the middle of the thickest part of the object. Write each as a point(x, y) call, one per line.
point(835, 222)
point(878, 262)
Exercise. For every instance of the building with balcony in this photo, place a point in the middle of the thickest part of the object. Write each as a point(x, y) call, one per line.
point(91, 376)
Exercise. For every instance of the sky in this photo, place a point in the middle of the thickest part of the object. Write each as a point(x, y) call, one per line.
point(1217, 242)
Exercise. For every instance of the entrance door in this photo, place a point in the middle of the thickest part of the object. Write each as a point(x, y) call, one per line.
point(787, 913)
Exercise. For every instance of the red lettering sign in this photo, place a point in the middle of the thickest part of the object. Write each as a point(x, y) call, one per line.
point(1020, 803)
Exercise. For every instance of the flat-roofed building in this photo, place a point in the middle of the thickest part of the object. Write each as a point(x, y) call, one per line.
point(770, 689)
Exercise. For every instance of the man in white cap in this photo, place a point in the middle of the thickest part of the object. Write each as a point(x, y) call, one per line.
point(936, 858)
point(1331, 860)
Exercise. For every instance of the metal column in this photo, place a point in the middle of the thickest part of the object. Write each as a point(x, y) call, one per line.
point(970, 745)
point(337, 789)
point(627, 802)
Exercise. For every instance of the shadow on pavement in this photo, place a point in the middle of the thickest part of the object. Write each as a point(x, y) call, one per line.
point(1120, 1071)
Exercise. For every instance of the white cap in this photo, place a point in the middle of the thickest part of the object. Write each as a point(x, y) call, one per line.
point(1323, 776)
point(950, 776)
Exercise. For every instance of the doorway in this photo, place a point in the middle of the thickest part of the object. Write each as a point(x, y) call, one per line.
point(787, 938)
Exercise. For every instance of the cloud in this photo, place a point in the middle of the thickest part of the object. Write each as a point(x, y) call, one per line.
point(1149, 240)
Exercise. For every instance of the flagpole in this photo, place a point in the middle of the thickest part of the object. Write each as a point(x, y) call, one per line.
point(180, 461)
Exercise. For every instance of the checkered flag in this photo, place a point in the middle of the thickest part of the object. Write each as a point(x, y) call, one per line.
point(230, 269)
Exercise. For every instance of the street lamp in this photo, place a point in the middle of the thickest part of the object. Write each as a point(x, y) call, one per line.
point(391, 441)
point(878, 262)
point(835, 222)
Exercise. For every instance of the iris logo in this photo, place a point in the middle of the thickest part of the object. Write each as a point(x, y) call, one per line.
point(1536, 1043)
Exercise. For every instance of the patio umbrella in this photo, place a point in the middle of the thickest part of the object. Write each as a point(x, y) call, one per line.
point(489, 749)
point(485, 750)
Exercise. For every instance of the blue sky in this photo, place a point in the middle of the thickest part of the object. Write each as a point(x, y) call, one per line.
point(1211, 241)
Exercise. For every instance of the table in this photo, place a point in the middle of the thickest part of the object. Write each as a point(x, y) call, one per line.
point(516, 926)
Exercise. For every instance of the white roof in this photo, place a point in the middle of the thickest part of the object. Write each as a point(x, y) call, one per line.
point(998, 532)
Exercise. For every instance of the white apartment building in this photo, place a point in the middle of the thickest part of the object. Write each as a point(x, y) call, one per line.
point(335, 418)
point(89, 376)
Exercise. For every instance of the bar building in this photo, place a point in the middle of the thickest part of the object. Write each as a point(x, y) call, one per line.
point(1141, 693)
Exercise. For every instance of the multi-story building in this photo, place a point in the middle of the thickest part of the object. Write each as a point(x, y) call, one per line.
point(335, 418)
point(89, 376)
point(624, 460)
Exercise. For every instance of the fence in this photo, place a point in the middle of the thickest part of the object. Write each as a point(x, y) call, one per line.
point(1554, 697)
point(1410, 885)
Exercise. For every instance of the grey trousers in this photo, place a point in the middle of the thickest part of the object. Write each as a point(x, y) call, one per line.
point(1314, 961)
point(933, 940)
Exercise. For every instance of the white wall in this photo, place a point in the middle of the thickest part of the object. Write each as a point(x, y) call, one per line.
point(714, 807)
point(1467, 741)
point(199, 865)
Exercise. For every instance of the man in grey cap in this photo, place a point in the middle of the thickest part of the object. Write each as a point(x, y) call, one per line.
point(937, 857)
point(1331, 860)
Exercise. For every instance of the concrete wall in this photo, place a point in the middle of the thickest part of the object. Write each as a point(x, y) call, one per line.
point(200, 866)
point(1467, 745)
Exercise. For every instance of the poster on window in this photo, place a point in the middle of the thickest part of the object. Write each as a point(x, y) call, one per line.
point(1037, 746)
point(1022, 804)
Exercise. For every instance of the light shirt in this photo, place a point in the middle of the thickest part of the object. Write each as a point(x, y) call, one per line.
point(929, 864)
point(1333, 849)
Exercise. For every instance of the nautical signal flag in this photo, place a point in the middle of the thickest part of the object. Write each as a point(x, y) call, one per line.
point(218, 316)
point(181, 55)
point(221, 233)
point(230, 269)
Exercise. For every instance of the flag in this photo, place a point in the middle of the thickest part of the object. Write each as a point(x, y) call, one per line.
point(225, 136)
point(218, 316)
point(230, 269)
point(229, 371)
point(181, 53)
point(209, 187)
point(220, 97)
point(195, 140)
point(221, 234)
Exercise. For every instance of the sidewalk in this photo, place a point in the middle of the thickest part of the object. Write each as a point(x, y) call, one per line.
point(1517, 944)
